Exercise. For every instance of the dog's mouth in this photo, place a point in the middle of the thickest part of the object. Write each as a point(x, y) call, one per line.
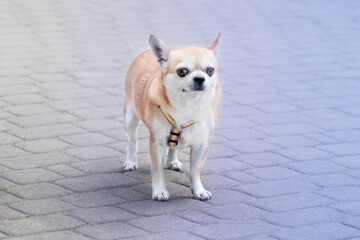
point(195, 89)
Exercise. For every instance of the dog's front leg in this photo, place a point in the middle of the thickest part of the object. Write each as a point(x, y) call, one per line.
point(197, 158)
point(157, 154)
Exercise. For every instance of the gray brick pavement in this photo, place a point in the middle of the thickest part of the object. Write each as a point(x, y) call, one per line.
point(284, 162)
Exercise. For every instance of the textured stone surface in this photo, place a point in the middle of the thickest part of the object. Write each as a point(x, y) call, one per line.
point(284, 161)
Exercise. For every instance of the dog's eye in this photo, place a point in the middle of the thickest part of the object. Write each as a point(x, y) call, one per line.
point(210, 71)
point(182, 72)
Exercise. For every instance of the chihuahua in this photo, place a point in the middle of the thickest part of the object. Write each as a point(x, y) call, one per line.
point(175, 93)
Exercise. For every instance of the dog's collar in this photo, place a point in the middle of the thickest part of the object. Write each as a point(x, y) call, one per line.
point(175, 131)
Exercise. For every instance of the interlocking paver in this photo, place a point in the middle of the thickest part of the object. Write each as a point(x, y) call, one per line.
point(110, 231)
point(92, 199)
point(42, 206)
point(37, 191)
point(162, 223)
point(39, 224)
point(54, 236)
point(37, 160)
point(303, 217)
point(320, 231)
point(102, 215)
point(234, 229)
point(34, 175)
point(96, 182)
point(286, 146)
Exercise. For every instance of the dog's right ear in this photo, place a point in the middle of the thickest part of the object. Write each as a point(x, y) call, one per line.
point(160, 50)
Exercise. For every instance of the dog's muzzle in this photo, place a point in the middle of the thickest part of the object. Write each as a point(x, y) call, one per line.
point(198, 84)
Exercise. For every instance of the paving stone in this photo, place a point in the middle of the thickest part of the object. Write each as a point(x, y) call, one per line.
point(219, 151)
point(242, 177)
point(31, 176)
point(42, 145)
point(342, 148)
point(7, 198)
point(216, 165)
point(39, 224)
point(68, 104)
point(24, 99)
point(7, 151)
point(342, 193)
point(6, 138)
point(51, 131)
point(352, 208)
point(43, 119)
point(99, 166)
point(316, 167)
point(8, 213)
point(345, 135)
point(102, 215)
point(273, 173)
point(171, 235)
point(237, 211)
point(66, 171)
point(289, 129)
point(94, 152)
point(334, 180)
point(42, 206)
point(292, 141)
point(162, 223)
point(240, 134)
point(92, 199)
point(37, 191)
point(99, 124)
point(323, 231)
point(54, 236)
point(252, 146)
point(128, 194)
point(111, 231)
point(265, 159)
point(303, 217)
point(277, 188)
point(5, 183)
point(198, 217)
point(87, 139)
point(37, 160)
point(304, 154)
point(96, 113)
point(28, 109)
point(352, 222)
point(153, 208)
point(233, 230)
point(348, 161)
point(96, 182)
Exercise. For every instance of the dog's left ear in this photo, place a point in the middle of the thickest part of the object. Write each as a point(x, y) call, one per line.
point(213, 45)
point(160, 50)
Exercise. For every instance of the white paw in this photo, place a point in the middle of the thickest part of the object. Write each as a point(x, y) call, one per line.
point(174, 165)
point(130, 166)
point(202, 195)
point(161, 196)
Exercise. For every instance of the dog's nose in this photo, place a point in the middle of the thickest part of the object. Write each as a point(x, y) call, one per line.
point(199, 80)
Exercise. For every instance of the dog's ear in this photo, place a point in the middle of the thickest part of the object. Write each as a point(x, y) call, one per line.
point(160, 50)
point(213, 45)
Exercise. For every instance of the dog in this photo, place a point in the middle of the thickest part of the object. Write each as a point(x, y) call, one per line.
point(175, 92)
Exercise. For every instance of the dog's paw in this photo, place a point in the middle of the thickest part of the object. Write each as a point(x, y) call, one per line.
point(161, 196)
point(174, 165)
point(130, 166)
point(202, 195)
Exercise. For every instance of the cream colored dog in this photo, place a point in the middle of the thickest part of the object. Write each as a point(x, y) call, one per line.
point(175, 93)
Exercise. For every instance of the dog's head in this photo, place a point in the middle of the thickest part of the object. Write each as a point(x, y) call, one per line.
point(187, 71)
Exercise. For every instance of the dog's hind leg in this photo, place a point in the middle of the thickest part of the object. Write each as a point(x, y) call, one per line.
point(172, 161)
point(131, 122)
